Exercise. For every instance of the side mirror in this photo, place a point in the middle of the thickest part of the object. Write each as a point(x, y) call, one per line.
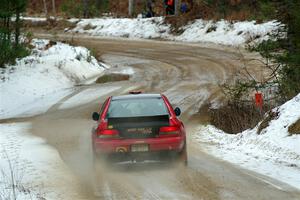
point(95, 116)
point(177, 111)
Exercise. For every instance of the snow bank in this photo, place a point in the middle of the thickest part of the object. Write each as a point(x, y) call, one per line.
point(41, 79)
point(39, 172)
point(124, 27)
point(221, 32)
point(226, 33)
point(273, 152)
point(35, 19)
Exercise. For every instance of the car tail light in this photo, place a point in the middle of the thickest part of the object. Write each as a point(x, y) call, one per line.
point(169, 130)
point(172, 130)
point(104, 132)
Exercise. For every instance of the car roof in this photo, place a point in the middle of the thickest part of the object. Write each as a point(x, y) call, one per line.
point(136, 96)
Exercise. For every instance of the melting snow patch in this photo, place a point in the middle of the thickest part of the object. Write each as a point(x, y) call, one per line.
point(38, 172)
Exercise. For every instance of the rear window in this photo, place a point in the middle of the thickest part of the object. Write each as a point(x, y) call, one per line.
point(137, 107)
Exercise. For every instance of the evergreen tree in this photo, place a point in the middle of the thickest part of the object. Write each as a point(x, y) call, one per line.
point(10, 47)
point(284, 51)
point(289, 14)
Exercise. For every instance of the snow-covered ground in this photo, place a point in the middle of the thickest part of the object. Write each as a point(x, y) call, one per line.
point(30, 87)
point(273, 152)
point(220, 32)
point(40, 80)
point(227, 33)
point(37, 169)
point(123, 27)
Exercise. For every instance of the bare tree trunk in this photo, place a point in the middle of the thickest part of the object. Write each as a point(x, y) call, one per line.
point(176, 7)
point(8, 28)
point(17, 27)
point(45, 9)
point(130, 7)
point(86, 8)
point(54, 9)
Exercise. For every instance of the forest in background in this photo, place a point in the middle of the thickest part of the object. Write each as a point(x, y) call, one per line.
point(206, 9)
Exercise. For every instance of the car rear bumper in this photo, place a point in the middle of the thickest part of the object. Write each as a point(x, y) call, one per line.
point(110, 146)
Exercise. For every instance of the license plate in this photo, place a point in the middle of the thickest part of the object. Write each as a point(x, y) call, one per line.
point(139, 147)
point(140, 130)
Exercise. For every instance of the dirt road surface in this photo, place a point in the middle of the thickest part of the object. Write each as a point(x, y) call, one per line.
point(189, 75)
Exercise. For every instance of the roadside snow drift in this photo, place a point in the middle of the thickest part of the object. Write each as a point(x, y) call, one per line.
point(221, 32)
point(273, 152)
point(124, 27)
point(227, 33)
point(41, 79)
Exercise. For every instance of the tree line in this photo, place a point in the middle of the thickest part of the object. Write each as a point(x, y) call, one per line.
point(284, 51)
point(288, 12)
point(10, 30)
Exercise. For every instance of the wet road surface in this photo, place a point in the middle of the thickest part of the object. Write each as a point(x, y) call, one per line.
point(189, 76)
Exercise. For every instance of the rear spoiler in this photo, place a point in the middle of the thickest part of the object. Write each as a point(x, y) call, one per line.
point(143, 121)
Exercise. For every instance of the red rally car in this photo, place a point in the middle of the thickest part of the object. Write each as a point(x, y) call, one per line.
point(138, 126)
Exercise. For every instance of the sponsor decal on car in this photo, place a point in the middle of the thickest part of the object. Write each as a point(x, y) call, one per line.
point(121, 149)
